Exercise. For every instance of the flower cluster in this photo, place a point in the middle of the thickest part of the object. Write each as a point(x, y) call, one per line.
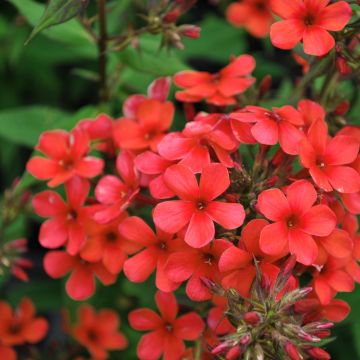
point(219, 220)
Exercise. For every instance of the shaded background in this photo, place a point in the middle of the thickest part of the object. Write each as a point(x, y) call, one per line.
point(51, 83)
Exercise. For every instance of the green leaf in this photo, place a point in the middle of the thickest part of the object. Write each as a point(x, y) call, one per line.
point(151, 59)
point(58, 12)
point(24, 125)
point(70, 33)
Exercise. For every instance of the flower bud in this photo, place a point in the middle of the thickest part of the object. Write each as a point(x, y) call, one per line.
point(292, 351)
point(342, 108)
point(190, 31)
point(318, 354)
point(342, 66)
point(252, 318)
point(265, 85)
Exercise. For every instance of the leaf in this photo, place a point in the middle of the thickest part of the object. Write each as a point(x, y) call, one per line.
point(24, 125)
point(58, 12)
point(70, 33)
point(151, 59)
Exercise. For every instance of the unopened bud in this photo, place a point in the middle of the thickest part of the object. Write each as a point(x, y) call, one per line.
point(252, 318)
point(325, 326)
point(342, 108)
point(318, 354)
point(342, 66)
point(292, 351)
point(308, 337)
point(265, 85)
point(190, 31)
point(233, 353)
point(245, 340)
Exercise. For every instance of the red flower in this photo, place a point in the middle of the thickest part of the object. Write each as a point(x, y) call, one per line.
point(192, 147)
point(295, 221)
point(197, 209)
point(116, 194)
point(154, 165)
point(66, 223)
point(81, 283)
point(152, 119)
point(66, 154)
point(167, 332)
point(309, 21)
point(310, 112)
point(157, 246)
point(104, 243)
point(20, 326)
point(220, 88)
point(279, 125)
point(328, 159)
point(7, 353)
point(194, 265)
point(98, 331)
point(254, 15)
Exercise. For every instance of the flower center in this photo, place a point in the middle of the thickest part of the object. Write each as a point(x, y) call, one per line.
point(111, 236)
point(208, 258)
point(201, 205)
point(309, 20)
point(260, 6)
point(273, 116)
point(92, 335)
point(15, 328)
point(168, 327)
point(320, 163)
point(72, 214)
point(292, 221)
point(163, 246)
point(66, 164)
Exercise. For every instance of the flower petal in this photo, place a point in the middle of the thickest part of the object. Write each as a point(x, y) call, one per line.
point(200, 231)
point(188, 326)
point(286, 34)
point(341, 150)
point(144, 319)
point(317, 41)
point(343, 179)
point(301, 196)
point(228, 215)
point(140, 266)
point(335, 16)
point(303, 246)
point(273, 204)
point(214, 181)
point(320, 220)
point(271, 244)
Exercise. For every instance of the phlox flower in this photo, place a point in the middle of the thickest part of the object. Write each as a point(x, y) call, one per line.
point(114, 193)
point(197, 209)
point(155, 250)
point(254, 15)
point(98, 331)
point(309, 21)
point(20, 326)
point(328, 159)
point(217, 89)
point(196, 264)
point(81, 283)
point(67, 220)
point(66, 156)
point(167, 331)
point(296, 220)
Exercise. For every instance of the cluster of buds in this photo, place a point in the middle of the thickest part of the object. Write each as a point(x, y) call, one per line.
point(11, 259)
point(162, 20)
point(268, 325)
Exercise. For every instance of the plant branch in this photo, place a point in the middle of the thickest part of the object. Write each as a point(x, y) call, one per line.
point(102, 47)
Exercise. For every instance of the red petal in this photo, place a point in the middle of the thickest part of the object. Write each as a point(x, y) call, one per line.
point(135, 229)
point(191, 78)
point(175, 147)
point(139, 267)
point(181, 265)
point(290, 115)
point(200, 231)
point(274, 245)
point(344, 179)
point(286, 9)
point(42, 168)
point(289, 138)
point(234, 258)
point(159, 88)
point(320, 178)
point(159, 190)
point(323, 291)
point(166, 303)
point(335, 16)
point(273, 204)
point(214, 181)
point(319, 221)
point(81, 283)
point(126, 168)
point(338, 244)
point(266, 132)
point(233, 86)
point(77, 238)
point(77, 190)
point(151, 346)
point(341, 150)
point(317, 41)
point(182, 182)
point(340, 281)
point(162, 281)
point(53, 233)
point(196, 290)
point(130, 105)
point(128, 134)
point(197, 158)
point(172, 216)
point(58, 263)
point(241, 66)
point(79, 142)
point(151, 163)
point(54, 144)
point(49, 204)
point(109, 190)
point(228, 215)
point(301, 196)
point(303, 246)
point(35, 330)
point(144, 319)
point(286, 34)
point(307, 154)
point(89, 167)
point(154, 115)
point(189, 326)
point(114, 259)
point(336, 311)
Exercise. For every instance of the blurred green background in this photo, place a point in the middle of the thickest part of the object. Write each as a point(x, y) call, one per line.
point(51, 83)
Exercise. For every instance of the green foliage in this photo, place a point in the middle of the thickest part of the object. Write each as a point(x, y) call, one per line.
point(58, 12)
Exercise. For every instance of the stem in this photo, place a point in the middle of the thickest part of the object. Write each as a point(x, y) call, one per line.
point(328, 86)
point(102, 47)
